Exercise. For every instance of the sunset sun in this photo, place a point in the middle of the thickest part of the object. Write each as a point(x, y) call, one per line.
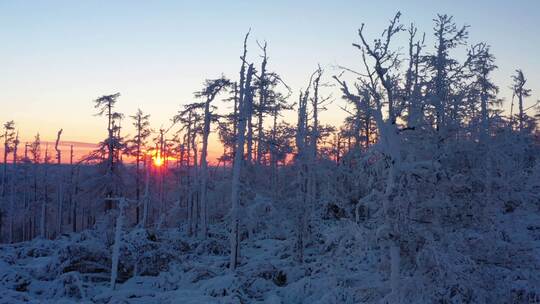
point(158, 161)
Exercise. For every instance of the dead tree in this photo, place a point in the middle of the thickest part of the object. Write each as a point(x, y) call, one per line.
point(191, 124)
point(385, 60)
point(519, 91)
point(9, 137)
point(245, 98)
point(45, 200)
point(211, 89)
point(302, 179)
point(136, 146)
point(13, 188)
point(105, 105)
point(262, 105)
point(60, 186)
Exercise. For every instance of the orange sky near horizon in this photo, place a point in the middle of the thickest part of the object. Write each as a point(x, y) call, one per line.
point(58, 57)
point(82, 149)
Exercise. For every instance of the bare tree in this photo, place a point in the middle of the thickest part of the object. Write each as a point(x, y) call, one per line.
point(521, 92)
point(45, 199)
point(13, 188)
point(191, 119)
point(60, 186)
point(384, 61)
point(302, 163)
point(261, 107)
point(136, 147)
point(245, 100)
point(9, 138)
point(278, 143)
point(105, 105)
point(211, 89)
point(412, 95)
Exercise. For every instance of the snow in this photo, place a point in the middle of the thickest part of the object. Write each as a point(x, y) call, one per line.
point(345, 264)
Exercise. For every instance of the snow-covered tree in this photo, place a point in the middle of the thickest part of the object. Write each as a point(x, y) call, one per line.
point(245, 102)
point(520, 92)
point(9, 139)
point(136, 146)
point(210, 91)
point(109, 149)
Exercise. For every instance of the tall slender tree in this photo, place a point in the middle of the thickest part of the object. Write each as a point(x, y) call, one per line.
point(521, 92)
point(209, 92)
point(245, 99)
point(9, 138)
point(136, 147)
point(60, 186)
point(191, 119)
point(448, 36)
point(111, 145)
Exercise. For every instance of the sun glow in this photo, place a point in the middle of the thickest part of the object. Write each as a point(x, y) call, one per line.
point(158, 160)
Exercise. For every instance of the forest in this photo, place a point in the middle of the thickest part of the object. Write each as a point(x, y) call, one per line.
point(428, 191)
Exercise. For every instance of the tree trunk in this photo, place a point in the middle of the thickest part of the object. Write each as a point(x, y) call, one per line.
point(117, 240)
point(204, 170)
point(237, 166)
point(146, 198)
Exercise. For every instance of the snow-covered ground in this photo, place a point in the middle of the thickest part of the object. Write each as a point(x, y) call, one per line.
point(344, 263)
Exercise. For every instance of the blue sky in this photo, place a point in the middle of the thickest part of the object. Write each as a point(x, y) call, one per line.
point(57, 56)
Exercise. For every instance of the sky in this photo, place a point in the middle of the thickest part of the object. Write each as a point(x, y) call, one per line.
point(56, 57)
